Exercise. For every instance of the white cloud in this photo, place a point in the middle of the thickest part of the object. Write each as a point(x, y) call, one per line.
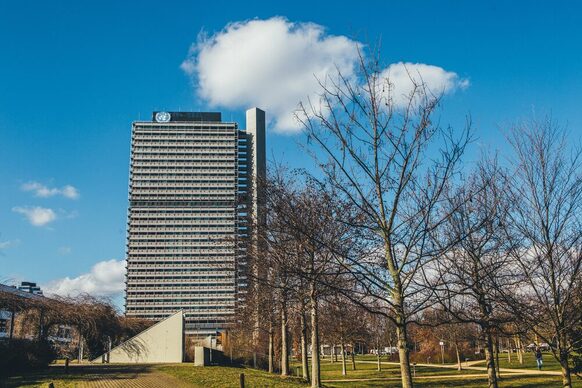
point(64, 251)
point(106, 278)
point(402, 78)
point(44, 191)
point(36, 215)
point(274, 64)
point(9, 244)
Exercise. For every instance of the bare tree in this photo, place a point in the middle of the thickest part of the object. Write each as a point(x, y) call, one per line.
point(304, 235)
point(475, 269)
point(546, 231)
point(375, 152)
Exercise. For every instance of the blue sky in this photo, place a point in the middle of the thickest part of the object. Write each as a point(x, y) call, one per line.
point(74, 75)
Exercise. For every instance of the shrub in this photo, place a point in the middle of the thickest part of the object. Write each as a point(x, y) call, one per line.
point(25, 355)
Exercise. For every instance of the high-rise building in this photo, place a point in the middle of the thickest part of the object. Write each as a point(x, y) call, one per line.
point(192, 186)
point(30, 287)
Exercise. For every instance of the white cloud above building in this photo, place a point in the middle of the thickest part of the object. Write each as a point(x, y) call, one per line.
point(275, 64)
point(105, 279)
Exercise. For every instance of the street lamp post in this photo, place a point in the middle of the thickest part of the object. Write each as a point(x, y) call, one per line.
point(442, 344)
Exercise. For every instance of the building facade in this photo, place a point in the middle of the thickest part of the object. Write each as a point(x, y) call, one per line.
point(191, 191)
point(30, 287)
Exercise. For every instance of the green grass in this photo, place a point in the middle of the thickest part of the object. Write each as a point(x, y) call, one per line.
point(215, 376)
point(332, 371)
point(509, 382)
point(209, 377)
point(529, 362)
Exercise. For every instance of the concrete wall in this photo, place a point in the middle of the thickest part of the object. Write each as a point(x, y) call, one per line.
point(161, 343)
point(204, 356)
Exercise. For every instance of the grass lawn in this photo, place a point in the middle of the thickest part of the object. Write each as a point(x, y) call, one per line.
point(209, 377)
point(222, 376)
point(513, 382)
point(529, 361)
point(331, 371)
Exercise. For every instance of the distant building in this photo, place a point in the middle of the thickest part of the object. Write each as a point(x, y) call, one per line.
point(26, 290)
point(30, 287)
point(193, 182)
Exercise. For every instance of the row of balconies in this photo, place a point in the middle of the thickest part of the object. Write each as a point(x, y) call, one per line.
point(230, 267)
point(183, 237)
point(194, 208)
point(182, 221)
point(208, 266)
point(195, 185)
point(223, 261)
point(216, 164)
point(165, 148)
point(154, 262)
point(181, 175)
point(178, 157)
point(183, 218)
point(160, 198)
point(223, 132)
point(227, 293)
point(186, 143)
point(187, 127)
point(222, 271)
point(218, 247)
point(185, 168)
point(171, 252)
point(184, 190)
point(190, 258)
point(211, 243)
point(190, 315)
point(218, 299)
point(228, 182)
point(164, 235)
point(184, 228)
point(182, 288)
point(135, 305)
point(171, 282)
point(180, 138)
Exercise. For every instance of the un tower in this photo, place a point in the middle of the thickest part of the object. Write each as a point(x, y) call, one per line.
point(193, 179)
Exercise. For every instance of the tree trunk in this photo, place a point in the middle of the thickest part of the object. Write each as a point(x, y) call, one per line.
point(519, 349)
point(378, 355)
point(40, 325)
point(403, 354)
point(315, 371)
point(271, 355)
point(496, 350)
point(331, 353)
point(353, 357)
point(80, 355)
point(11, 335)
point(508, 351)
point(342, 350)
point(284, 350)
point(490, 360)
point(459, 365)
point(304, 364)
point(566, 373)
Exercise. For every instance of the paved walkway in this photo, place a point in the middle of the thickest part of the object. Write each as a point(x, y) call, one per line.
point(480, 368)
point(121, 376)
